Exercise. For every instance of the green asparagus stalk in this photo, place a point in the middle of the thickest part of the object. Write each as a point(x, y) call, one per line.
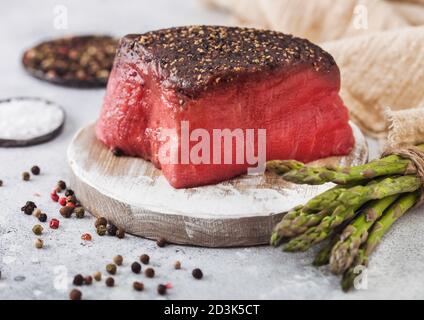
point(301, 218)
point(396, 211)
point(349, 201)
point(283, 166)
point(323, 256)
point(352, 237)
point(391, 165)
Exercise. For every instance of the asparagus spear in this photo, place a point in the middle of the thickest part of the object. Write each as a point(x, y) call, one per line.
point(301, 218)
point(283, 166)
point(391, 165)
point(396, 211)
point(323, 256)
point(349, 201)
point(352, 237)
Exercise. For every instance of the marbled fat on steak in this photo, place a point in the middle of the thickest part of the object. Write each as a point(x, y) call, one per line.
point(223, 78)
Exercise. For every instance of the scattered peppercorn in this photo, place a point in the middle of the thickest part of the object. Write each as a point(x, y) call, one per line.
point(120, 233)
point(71, 198)
point(75, 294)
point(161, 289)
point(161, 242)
point(70, 204)
point(197, 274)
point(111, 229)
point(110, 282)
point(138, 286)
point(144, 258)
point(135, 267)
point(78, 280)
point(101, 230)
point(117, 152)
point(29, 208)
point(54, 223)
point(37, 229)
point(69, 192)
point(177, 265)
point(66, 212)
point(62, 201)
point(118, 260)
point(97, 276)
point(36, 213)
point(88, 280)
point(54, 196)
point(39, 243)
point(79, 212)
point(35, 170)
point(42, 217)
point(111, 268)
point(26, 176)
point(101, 221)
point(149, 272)
point(1, 183)
point(61, 184)
point(86, 237)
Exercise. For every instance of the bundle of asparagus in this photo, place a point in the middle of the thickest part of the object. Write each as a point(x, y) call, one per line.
point(353, 216)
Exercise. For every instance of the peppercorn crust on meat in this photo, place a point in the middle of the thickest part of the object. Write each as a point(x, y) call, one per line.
point(215, 77)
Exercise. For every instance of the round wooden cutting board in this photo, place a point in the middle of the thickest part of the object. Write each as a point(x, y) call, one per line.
point(134, 195)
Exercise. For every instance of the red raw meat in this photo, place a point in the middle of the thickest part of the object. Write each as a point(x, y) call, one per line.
point(223, 78)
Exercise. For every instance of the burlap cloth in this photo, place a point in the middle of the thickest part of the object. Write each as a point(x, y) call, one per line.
point(378, 45)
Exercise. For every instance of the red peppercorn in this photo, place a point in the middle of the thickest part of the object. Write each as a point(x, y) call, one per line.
point(86, 237)
point(54, 223)
point(62, 201)
point(54, 196)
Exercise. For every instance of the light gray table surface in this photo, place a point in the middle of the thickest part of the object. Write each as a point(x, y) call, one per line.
point(240, 273)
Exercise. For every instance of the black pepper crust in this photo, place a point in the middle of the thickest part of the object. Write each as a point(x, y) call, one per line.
point(193, 59)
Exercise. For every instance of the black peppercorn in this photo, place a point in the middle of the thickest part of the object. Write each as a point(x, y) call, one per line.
point(61, 184)
point(78, 280)
point(161, 289)
point(136, 267)
point(111, 229)
point(110, 282)
point(88, 280)
point(75, 294)
point(149, 273)
point(26, 176)
point(120, 233)
point(69, 192)
point(42, 217)
point(100, 222)
point(117, 152)
point(138, 286)
point(197, 274)
point(144, 258)
point(1, 183)
point(161, 242)
point(29, 208)
point(35, 170)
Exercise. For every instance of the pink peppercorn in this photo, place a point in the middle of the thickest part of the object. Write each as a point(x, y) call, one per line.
point(86, 237)
point(54, 196)
point(54, 223)
point(62, 201)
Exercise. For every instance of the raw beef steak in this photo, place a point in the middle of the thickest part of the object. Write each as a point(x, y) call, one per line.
point(208, 78)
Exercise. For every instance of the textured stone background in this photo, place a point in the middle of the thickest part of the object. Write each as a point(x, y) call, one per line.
point(242, 273)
